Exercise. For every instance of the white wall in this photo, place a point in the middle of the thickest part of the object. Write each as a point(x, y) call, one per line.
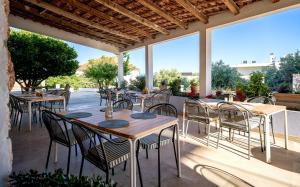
point(5, 143)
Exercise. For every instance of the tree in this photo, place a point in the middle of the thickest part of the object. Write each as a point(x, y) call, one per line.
point(103, 70)
point(257, 87)
point(165, 74)
point(139, 83)
point(38, 57)
point(290, 64)
point(126, 64)
point(224, 76)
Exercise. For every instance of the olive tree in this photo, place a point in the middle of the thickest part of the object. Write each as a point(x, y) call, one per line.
point(38, 57)
point(103, 70)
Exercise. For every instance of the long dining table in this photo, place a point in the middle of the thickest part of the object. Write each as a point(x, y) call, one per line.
point(264, 110)
point(32, 98)
point(137, 129)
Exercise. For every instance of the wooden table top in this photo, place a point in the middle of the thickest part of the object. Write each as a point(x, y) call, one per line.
point(46, 97)
point(137, 128)
point(257, 108)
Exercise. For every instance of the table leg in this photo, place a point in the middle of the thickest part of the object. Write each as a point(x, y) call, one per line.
point(132, 163)
point(55, 152)
point(29, 114)
point(142, 105)
point(267, 139)
point(178, 151)
point(286, 134)
point(183, 119)
point(65, 105)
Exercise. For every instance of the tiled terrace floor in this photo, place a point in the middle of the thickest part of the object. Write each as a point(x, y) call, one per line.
point(201, 165)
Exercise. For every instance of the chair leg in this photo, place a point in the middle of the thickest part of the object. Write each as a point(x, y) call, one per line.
point(186, 128)
point(69, 157)
point(199, 131)
point(159, 176)
point(219, 136)
point(208, 134)
point(249, 146)
point(138, 164)
point(48, 156)
point(147, 154)
point(112, 171)
point(260, 136)
point(271, 121)
point(107, 176)
point(20, 121)
point(76, 150)
point(81, 166)
point(125, 164)
point(175, 153)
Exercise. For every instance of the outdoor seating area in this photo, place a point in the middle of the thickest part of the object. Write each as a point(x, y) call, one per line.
point(212, 133)
point(102, 124)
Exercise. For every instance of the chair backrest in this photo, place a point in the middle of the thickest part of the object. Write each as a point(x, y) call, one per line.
point(12, 101)
point(261, 99)
point(18, 103)
point(165, 109)
point(197, 110)
point(234, 116)
point(86, 139)
point(123, 104)
point(102, 93)
point(56, 126)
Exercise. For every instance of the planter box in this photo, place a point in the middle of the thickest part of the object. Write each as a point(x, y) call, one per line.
point(178, 102)
point(291, 101)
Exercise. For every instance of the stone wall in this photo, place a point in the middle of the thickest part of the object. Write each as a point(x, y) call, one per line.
point(5, 143)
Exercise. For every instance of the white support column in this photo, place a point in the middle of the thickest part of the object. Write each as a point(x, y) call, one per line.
point(149, 66)
point(5, 142)
point(205, 62)
point(120, 69)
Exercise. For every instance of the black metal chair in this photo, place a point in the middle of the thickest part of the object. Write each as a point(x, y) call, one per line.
point(162, 96)
point(59, 133)
point(58, 105)
point(20, 106)
point(236, 117)
point(198, 111)
point(103, 95)
point(123, 104)
point(105, 154)
point(165, 136)
point(264, 100)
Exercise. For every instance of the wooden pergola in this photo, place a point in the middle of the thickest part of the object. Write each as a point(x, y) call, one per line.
point(122, 25)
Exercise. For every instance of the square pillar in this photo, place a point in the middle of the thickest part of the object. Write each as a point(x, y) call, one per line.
point(149, 66)
point(205, 62)
point(120, 69)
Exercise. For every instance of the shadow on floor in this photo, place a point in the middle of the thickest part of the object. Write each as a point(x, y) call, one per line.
point(210, 171)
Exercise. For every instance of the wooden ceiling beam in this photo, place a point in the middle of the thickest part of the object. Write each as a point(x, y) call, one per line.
point(84, 31)
point(232, 6)
point(193, 10)
point(118, 8)
point(100, 14)
point(152, 6)
point(79, 19)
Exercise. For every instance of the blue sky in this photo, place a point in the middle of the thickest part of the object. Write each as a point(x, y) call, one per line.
point(251, 40)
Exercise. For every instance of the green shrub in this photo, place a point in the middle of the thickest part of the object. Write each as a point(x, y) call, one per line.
point(138, 84)
point(56, 179)
point(74, 81)
point(175, 86)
